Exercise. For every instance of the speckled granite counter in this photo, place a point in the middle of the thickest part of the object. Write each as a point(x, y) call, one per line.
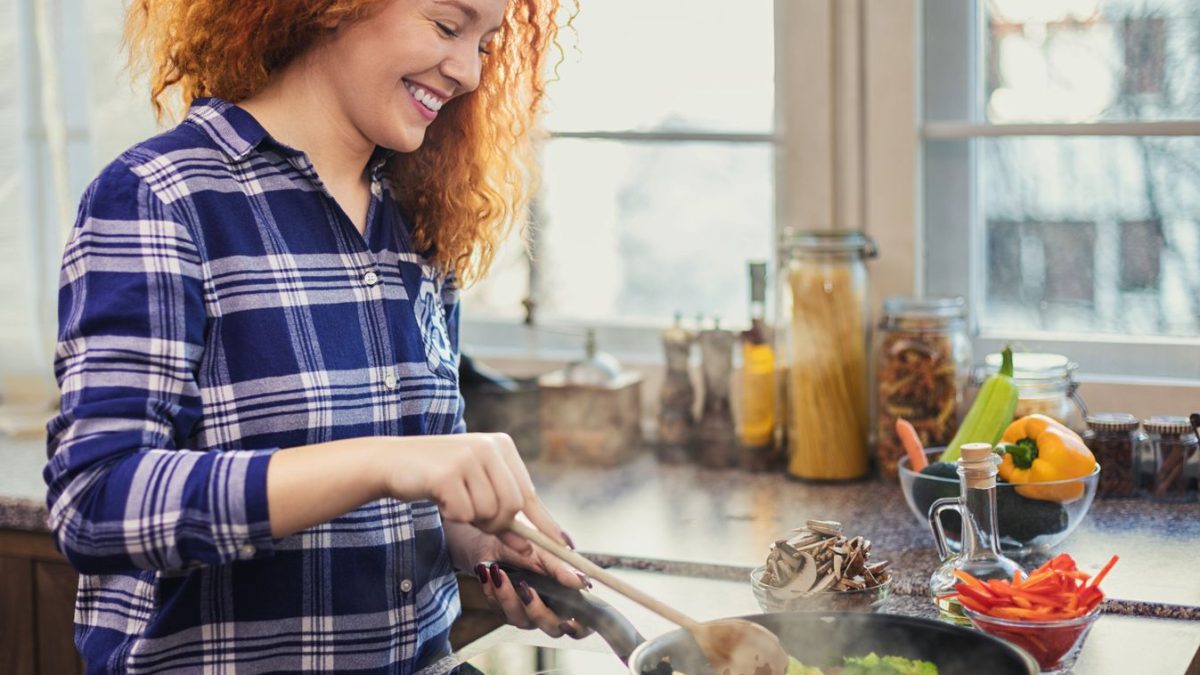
point(691, 522)
point(719, 524)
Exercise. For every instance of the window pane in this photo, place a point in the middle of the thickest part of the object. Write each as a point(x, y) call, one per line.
point(638, 231)
point(1091, 60)
point(665, 65)
point(502, 293)
point(1095, 235)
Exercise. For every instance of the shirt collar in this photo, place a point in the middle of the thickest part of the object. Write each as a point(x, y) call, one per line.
point(234, 130)
point(237, 132)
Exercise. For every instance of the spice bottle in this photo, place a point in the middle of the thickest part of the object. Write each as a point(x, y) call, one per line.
point(922, 363)
point(823, 329)
point(1174, 445)
point(980, 555)
point(676, 425)
point(1116, 441)
point(716, 439)
point(758, 400)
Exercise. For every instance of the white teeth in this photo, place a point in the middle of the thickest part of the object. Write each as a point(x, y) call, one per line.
point(427, 99)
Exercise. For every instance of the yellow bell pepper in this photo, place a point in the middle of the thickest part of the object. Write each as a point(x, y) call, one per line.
point(1037, 448)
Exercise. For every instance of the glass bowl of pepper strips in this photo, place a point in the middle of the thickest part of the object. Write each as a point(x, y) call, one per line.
point(1048, 613)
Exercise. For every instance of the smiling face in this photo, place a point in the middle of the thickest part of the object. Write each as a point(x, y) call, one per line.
point(394, 70)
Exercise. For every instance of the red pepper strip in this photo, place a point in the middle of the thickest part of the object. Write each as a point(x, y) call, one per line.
point(998, 587)
point(978, 595)
point(1037, 577)
point(1103, 573)
point(974, 605)
point(1063, 562)
point(971, 581)
point(1035, 598)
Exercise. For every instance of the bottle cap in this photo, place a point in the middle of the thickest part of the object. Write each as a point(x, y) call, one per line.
point(977, 452)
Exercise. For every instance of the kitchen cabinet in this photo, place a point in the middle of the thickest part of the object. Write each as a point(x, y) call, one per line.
point(37, 607)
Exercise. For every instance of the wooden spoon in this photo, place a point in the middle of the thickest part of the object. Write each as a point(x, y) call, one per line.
point(733, 646)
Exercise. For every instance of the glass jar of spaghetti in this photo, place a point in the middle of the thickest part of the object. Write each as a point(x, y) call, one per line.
point(823, 338)
point(922, 363)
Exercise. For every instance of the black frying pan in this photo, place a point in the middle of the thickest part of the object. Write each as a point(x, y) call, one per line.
point(817, 639)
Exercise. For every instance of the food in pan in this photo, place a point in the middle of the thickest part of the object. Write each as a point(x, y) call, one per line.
point(871, 664)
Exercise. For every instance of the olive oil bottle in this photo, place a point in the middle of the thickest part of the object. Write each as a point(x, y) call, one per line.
point(980, 552)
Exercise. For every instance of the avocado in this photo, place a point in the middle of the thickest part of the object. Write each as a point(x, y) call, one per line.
point(1019, 518)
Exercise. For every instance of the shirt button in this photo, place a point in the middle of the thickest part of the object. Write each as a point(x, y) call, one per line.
point(370, 278)
point(405, 586)
point(389, 381)
point(247, 550)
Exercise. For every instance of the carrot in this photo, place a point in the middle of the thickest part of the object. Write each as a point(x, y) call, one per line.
point(912, 444)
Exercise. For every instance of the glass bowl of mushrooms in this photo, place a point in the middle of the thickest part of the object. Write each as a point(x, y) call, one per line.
point(816, 568)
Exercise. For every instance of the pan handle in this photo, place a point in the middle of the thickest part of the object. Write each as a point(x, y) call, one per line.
point(585, 608)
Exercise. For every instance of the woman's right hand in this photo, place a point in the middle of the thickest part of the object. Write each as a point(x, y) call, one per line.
point(476, 478)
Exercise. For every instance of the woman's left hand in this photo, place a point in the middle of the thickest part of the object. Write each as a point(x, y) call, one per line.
point(471, 548)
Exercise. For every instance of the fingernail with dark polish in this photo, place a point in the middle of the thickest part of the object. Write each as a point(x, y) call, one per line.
point(524, 593)
point(495, 574)
point(567, 538)
point(568, 629)
point(583, 577)
point(481, 572)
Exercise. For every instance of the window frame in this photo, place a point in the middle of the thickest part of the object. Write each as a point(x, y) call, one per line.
point(634, 342)
point(950, 131)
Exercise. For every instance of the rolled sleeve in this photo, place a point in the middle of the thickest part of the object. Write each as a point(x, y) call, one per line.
point(123, 489)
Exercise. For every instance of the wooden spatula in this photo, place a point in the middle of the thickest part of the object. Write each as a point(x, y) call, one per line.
point(733, 646)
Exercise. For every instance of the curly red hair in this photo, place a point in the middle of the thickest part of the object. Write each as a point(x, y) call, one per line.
point(472, 178)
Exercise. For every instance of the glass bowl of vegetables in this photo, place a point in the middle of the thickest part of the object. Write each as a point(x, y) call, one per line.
point(772, 599)
point(1032, 517)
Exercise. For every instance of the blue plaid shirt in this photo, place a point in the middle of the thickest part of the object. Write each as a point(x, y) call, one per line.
point(217, 305)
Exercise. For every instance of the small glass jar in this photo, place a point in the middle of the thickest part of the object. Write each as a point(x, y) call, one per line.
point(1175, 447)
point(922, 363)
point(823, 337)
point(1116, 441)
point(1045, 383)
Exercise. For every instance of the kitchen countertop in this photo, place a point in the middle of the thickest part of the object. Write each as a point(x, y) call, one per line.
point(680, 529)
point(1164, 647)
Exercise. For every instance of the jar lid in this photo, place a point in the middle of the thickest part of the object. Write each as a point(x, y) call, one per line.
point(1035, 366)
point(1167, 424)
point(925, 308)
point(829, 241)
point(1112, 422)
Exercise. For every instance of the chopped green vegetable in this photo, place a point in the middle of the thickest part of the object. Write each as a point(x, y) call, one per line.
point(873, 664)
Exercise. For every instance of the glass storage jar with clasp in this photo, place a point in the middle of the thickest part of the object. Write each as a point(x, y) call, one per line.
point(823, 335)
point(1117, 442)
point(1045, 384)
point(1174, 447)
point(922, 363)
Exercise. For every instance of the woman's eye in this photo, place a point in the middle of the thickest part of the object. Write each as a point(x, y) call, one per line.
point(446, 30)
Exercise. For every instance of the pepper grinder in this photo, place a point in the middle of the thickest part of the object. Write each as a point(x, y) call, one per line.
point(676, 424)
point(716, 435)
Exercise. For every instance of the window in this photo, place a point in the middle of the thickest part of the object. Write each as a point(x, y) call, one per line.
point(1061, 185)
point(658, 176)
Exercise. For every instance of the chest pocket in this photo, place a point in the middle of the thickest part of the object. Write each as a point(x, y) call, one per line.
point(431, 318)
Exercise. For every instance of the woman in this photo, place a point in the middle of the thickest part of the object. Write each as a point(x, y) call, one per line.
point(260, 462)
